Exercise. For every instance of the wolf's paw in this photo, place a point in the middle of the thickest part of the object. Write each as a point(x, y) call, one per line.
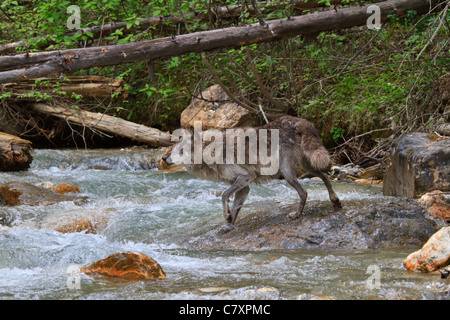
point(226, 228)
point(228, 218)
point(337, 204)
point(293, 215)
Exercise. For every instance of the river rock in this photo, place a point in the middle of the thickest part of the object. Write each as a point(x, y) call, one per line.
point(59, 188)
point(364, 224)
point(433, 255)
point(85, 220)
point(126, 265)
point(419, 162)
point(22, 193)
point(79, 225)
point(215, 110)
point(15, 153)
point(437, 203)
point(65, 188)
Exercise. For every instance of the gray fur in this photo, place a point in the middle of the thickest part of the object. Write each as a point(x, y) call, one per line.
point(299, 147)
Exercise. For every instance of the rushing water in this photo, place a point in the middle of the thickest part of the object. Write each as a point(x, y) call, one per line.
point(144, 210)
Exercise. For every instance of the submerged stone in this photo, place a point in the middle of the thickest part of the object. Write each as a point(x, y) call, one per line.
point(126, 265)
point(22, 193)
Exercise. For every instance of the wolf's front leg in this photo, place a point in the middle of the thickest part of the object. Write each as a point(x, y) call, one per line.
point(226, 208)
point(240, 183)
point(239, 198)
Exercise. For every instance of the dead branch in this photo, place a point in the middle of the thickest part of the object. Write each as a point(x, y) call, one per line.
point(108, 124)
point(15, 68)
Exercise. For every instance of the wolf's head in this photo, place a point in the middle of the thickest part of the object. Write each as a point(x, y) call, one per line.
point(179, 153)
point(168, 159)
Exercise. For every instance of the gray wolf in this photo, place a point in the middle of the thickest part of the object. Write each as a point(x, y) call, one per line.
point(297, 146)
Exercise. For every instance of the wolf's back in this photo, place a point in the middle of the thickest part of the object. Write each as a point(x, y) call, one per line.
point(312, 149)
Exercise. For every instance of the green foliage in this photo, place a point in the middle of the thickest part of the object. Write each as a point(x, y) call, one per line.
point(384, 84)
point(303, 72)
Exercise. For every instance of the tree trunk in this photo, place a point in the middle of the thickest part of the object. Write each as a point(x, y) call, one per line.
point(15, 153)
point(40, 64)
point(88, 86)
point(223, 12)
point(109, 124)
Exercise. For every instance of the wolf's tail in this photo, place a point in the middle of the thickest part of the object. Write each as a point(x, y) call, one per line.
point(320, 159)
point(316, 153)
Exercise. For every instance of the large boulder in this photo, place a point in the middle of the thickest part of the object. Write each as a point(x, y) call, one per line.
point(23, 193)
point(361, 224)
point(433, 255)
point(215, 110)
point(419, 162)
point(126, 265)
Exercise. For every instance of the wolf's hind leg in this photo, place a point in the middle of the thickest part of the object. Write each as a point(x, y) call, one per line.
point(333, 197)
point(239, 198)
point(240, 183)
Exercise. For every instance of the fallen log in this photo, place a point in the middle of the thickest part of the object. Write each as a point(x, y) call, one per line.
point(221, 12)
point(88, 86)
point(109, 124)
point(40, 64)
point(15, 153)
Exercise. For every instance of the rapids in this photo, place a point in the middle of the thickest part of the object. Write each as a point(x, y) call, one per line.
point(139, 208)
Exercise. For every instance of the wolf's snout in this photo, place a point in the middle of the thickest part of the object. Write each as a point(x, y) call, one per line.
point(167, 159)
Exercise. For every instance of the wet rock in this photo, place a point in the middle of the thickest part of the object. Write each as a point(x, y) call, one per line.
point(15, 153)
point(437, 203)
point(126, 265)
point(342, 175)
point(213, 289)
point(365, 224)
point(433, 255)
point(65, 188)
point(251, 293)
point(307, 296)
point(22, 193)
point(419, 162)
point(215, 110)
point(84, 220)
point(59, 188)
point(79, 225)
